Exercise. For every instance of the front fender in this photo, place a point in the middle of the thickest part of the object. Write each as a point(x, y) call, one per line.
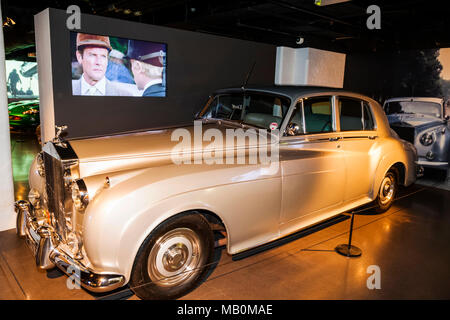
point(399, 152)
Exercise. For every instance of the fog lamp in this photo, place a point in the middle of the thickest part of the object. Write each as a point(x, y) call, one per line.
point(80, 196)
point(35, 198)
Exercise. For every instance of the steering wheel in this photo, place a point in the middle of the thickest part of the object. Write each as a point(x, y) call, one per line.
point(328, 123)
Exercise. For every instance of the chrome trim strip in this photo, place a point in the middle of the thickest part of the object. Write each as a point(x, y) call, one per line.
point(360, 137)
point(426, 163)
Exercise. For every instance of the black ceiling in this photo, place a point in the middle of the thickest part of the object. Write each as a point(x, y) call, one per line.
point(405, 24)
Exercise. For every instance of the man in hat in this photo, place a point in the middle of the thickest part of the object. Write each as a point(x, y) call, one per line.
point(147, 66)
point(92, 55)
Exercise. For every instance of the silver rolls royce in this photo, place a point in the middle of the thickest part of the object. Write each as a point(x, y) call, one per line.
point(256, 165)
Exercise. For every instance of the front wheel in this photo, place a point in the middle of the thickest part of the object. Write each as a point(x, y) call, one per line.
point(387, 192)
point(174, 258)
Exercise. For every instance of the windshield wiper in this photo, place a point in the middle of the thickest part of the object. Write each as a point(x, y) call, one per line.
point(239, 123)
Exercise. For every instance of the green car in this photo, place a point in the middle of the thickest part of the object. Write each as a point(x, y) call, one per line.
point(24, 114)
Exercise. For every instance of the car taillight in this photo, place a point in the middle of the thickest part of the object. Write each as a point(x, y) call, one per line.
point(14, 118)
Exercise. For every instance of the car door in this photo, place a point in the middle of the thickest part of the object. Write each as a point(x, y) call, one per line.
point(359, 138)
point(312, 163)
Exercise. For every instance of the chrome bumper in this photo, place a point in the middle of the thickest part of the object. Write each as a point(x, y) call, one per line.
point(432, 164)
point(43, 242)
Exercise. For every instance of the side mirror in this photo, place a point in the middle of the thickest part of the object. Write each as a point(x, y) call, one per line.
point(447, 117)
point(292, 129)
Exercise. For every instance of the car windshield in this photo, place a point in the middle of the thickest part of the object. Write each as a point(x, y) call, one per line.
point(256, 109)
point(414, 107)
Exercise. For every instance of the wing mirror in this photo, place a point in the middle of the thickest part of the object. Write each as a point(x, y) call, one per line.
point(292, 129)
point(447, 117)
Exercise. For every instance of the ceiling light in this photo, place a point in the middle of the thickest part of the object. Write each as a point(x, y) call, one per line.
point(9, 22)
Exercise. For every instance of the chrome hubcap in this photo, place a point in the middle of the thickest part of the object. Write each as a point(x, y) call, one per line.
point(174, 257)
point(387, 190)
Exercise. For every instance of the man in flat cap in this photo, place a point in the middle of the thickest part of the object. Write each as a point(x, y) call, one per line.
point(92, 55)
point(147, 66)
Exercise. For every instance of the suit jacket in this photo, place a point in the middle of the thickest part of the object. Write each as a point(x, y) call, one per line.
point(156, 90)
point(111, 89)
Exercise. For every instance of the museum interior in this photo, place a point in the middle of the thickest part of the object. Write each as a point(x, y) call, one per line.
point(95, 204)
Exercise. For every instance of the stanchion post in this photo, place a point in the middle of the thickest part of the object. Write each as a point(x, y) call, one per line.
point(347, 249)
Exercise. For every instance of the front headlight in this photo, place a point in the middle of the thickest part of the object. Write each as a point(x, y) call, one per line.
point(80, 195)
point(427, 139)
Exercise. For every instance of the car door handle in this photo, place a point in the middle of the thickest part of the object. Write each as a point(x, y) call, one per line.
point(334, 138)
point(372, 137)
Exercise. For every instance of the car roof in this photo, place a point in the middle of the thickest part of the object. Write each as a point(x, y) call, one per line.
point(417, 99)
point(293, 92)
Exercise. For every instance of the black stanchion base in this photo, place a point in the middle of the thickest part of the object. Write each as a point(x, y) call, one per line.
point(347, 251)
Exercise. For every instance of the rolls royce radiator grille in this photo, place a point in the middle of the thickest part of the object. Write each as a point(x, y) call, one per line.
point(406, 133)
point(54, 187)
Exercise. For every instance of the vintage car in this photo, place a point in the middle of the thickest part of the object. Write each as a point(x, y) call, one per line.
point(422, 121)
point(24, 114)
point(117, 210)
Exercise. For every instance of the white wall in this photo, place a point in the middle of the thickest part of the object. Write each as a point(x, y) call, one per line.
point(7, 214)
point(309, 66)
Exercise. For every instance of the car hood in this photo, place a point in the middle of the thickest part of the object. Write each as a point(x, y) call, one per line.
point(415, 121)
point(150, 148)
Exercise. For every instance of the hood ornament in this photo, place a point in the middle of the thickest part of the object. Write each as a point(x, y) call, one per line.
point(58, 140)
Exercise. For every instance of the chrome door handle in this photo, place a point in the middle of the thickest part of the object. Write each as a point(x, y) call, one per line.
point(334, 138)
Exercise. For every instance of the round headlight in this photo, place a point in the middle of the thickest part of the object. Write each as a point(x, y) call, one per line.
point(427, 139)
point(35, 198)
point(80, 196)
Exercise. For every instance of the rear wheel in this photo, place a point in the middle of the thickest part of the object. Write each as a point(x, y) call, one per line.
point(174, 258)
point(388, 190)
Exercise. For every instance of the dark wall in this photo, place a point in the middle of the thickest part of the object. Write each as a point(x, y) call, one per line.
point(197, 64)
point(383, 75)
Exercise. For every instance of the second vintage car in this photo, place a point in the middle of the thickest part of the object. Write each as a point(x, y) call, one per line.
point(422, 121)
point(24, 114)
point(119, 210)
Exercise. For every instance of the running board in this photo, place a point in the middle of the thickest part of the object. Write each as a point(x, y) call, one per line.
point(289, 238)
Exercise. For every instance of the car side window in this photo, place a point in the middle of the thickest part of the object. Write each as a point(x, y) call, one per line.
point(318, 114)
point(351, 114)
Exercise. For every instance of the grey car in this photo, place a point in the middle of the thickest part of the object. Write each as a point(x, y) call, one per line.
point(422, 121)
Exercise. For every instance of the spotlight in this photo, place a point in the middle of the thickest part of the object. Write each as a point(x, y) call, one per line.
point(9, 22)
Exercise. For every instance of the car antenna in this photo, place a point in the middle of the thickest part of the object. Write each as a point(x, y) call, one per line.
point(248, 76)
